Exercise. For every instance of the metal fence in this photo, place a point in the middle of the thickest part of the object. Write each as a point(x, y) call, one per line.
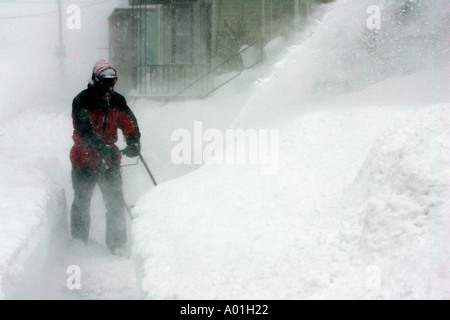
point(169, 80)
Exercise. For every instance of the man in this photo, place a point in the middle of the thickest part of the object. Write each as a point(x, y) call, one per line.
point(97, 113)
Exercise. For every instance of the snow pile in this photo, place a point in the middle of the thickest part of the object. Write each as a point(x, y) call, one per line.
point(230, 233)
point(310, 231)
point(17, 227)
point(21, 231)
point(406, 186)
point(31, 200)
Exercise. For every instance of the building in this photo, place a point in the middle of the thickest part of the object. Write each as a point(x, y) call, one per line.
point(167, 48)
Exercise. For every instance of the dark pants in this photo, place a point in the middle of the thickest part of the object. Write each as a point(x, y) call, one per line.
point(110, 183)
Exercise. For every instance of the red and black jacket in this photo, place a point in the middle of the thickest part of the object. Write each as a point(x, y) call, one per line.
point(95, 122)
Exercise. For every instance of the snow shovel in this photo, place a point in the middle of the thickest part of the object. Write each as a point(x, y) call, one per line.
point(148, 170)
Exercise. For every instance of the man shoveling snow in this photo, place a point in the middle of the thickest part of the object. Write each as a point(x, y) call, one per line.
point(98, 112)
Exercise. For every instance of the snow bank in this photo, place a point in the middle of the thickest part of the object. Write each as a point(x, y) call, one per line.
point(226, 232)
point(229, 233)
point(406, 185)
point(32, 201)
point(32, 220)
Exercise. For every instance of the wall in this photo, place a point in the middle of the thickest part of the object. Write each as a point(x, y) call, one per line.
point(123, 48)
point(243, 22)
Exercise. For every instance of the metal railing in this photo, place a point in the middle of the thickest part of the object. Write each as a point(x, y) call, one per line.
point(213, 71)
point(185, 80)
point(167, 80)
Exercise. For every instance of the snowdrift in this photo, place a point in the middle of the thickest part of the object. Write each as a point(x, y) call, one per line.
point(227, 233)
point(360, 201)
point(32, 200)
point(405, 183)
point(31, 224)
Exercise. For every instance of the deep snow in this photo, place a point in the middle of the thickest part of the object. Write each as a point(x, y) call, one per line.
point(358, 209)
point(230, 233)
point(359, 206)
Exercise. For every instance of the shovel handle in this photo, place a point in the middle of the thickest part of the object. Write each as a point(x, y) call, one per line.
point(148, 170)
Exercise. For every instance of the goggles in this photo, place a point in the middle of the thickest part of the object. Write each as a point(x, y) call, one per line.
point(108, 82)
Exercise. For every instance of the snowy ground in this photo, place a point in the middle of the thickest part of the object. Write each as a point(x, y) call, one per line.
point(358, 209)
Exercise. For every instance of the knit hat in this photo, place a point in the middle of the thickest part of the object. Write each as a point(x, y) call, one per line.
point(104, 69)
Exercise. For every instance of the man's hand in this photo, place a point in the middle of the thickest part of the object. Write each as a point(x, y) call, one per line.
point(132, 150)
point(110, 154)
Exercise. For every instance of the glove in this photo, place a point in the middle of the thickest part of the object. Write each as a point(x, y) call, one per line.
point(110, 154)
point(132, 150)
